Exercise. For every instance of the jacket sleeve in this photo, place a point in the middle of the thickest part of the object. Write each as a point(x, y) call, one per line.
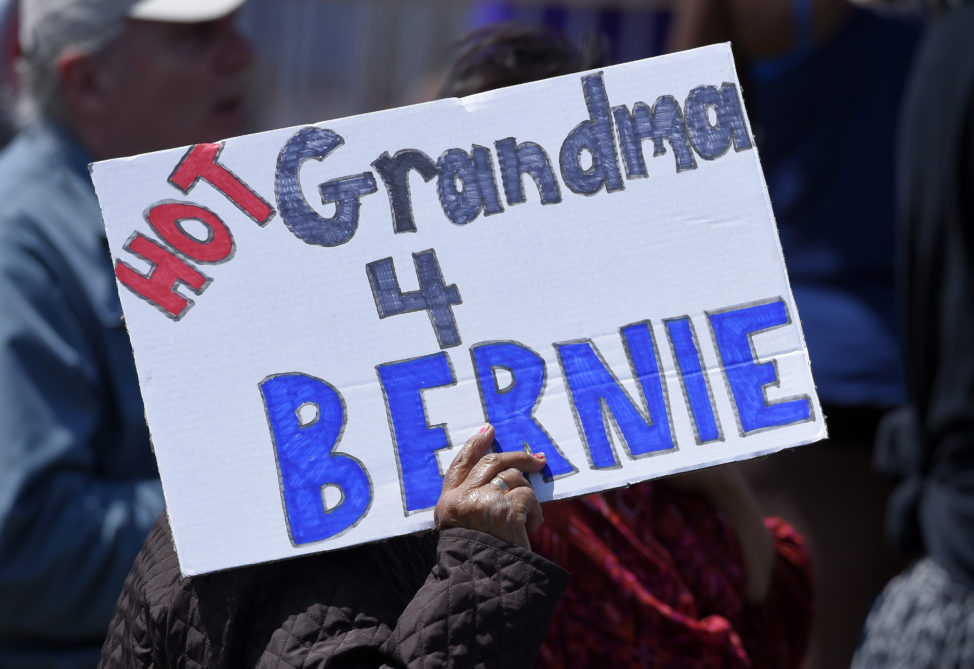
point(67, 534)
point(486, 603)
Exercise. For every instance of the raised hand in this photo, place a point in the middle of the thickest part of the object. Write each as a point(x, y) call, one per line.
point(486, 491)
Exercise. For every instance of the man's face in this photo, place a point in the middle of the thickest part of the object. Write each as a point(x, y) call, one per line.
point(175, 84)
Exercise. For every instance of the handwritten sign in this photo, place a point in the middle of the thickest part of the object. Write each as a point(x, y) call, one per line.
point(321, 315)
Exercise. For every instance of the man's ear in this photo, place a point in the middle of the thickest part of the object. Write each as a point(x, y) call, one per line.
point(86, 83)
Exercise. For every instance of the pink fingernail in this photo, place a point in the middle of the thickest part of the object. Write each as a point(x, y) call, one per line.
point(483, 428)
point(539, 456)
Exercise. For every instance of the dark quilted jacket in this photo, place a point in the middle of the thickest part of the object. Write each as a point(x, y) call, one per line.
point(460, 598)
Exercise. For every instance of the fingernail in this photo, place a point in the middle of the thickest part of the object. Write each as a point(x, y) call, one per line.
point(539, 456)
point(483, 428)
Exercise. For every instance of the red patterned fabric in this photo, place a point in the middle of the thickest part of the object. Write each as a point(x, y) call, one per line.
point(658, 581)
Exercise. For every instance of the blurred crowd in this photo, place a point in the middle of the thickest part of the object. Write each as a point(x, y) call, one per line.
point(858, 550)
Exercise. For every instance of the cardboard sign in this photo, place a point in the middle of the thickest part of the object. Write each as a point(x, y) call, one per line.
point(321, 315)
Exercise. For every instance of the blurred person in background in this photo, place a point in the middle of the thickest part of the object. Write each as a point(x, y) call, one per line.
point(8, 60)
point(79, 489)
point(924, 618)
point(822, 82)
point(683, 572)
point(632, 29)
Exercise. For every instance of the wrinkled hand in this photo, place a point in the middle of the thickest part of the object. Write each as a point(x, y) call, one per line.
point(470, 498)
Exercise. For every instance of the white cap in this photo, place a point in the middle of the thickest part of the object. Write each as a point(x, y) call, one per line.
point(182, 11)
point(47, 26)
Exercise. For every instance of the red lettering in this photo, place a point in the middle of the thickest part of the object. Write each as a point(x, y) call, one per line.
point(159, 285)
point(200, 163)
point(166, 217)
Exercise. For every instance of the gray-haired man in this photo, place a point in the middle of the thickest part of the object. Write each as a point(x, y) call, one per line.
point(78, 485)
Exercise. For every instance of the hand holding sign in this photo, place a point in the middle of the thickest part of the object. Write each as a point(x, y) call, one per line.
point(471, 499)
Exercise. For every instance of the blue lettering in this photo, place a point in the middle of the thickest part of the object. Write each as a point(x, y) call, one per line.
point(712, 140)
point(415, 440)
point(695, 386)
point(746, 377)
point(476, 191)
point(345, 193)
point(731, 113)
point(433, 296)
point(394, 171)
point(307, 461)
point(597, 396)
point(595, 137)
point(511, 409)
point(526, 158)
point(664, 121)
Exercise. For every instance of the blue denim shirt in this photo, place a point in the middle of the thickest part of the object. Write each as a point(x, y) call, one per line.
point(78, 482)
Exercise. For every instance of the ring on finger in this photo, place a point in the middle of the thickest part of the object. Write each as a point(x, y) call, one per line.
point(500, 483)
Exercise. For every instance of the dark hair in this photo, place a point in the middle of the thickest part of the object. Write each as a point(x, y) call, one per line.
point(504, 54)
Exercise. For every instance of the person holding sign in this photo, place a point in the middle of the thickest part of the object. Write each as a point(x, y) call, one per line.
point(684, 572)
point(79, 489)
point(470, 594)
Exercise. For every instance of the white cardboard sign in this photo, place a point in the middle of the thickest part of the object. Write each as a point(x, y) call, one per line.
point(322, 315)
